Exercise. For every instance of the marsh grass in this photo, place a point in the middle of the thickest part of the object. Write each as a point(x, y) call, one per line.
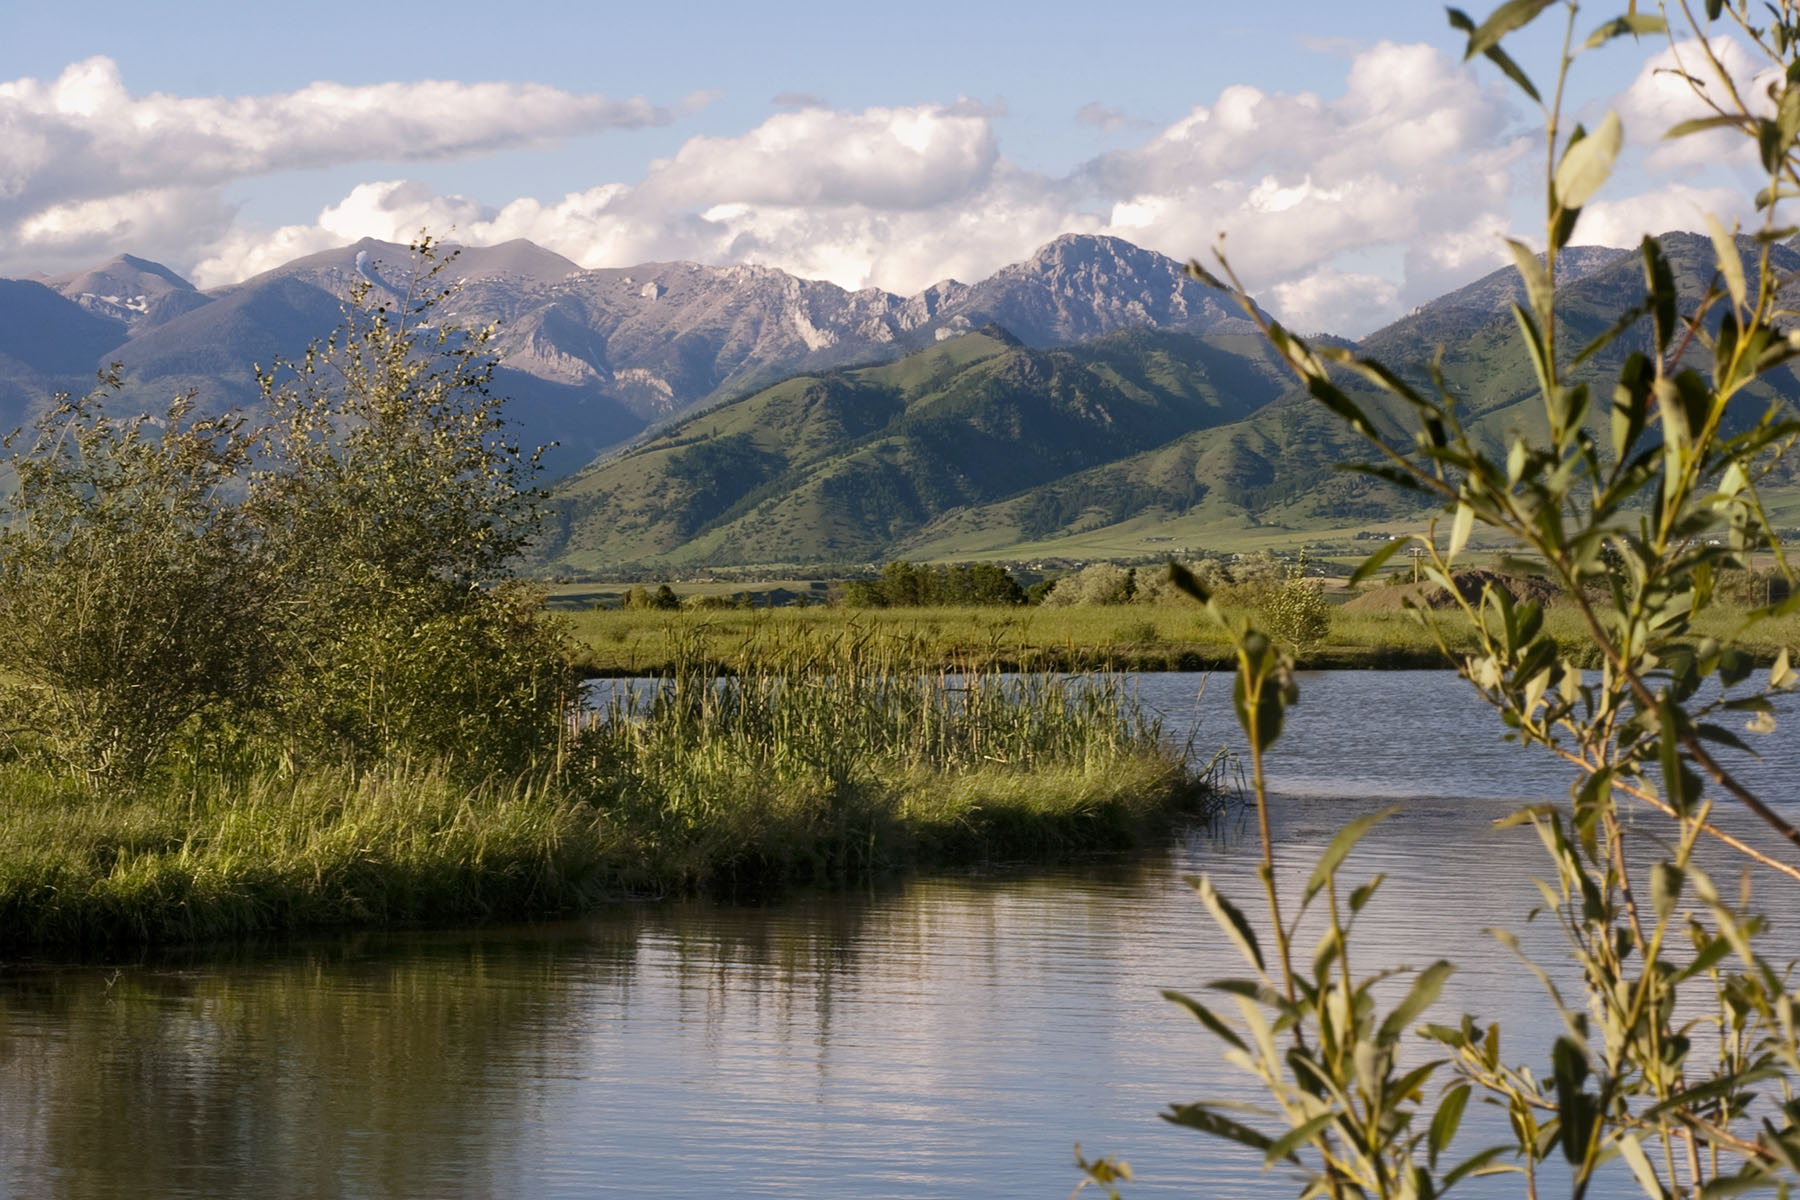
point(818, 756)
point(265, 855)
point(813, 761)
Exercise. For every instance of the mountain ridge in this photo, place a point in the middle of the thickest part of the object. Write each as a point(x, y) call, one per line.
point(624, 348)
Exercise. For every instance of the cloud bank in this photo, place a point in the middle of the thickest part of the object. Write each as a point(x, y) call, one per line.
point(86, 167)
point(1340, 211)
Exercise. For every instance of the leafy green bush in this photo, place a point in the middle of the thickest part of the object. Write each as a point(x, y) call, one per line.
point(135, 598)
point(1294, 611)
point(392, 495)
point(908, 585)
point(1101, 583)
point(333, 582)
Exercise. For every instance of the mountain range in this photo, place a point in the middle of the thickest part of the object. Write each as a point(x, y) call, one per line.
point(591, 358)
point(1092, 395)
point(1121, 446)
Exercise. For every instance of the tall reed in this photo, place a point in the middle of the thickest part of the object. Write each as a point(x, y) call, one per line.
point(818, 754)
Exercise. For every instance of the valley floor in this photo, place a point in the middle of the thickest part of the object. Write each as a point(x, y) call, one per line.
point(625, 642)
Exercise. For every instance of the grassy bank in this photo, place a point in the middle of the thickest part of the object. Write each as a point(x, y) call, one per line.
point(818, 762)
point(1104, 638)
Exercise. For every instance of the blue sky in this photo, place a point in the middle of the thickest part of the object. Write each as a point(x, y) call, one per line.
point(1357, 165)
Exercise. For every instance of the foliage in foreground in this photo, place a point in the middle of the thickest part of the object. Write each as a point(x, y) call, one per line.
point(1679, 1059)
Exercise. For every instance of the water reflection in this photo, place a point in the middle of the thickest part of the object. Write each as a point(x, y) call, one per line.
point(936, 1037)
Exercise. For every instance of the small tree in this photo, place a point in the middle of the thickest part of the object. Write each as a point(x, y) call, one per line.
point(133, 595)
point(394, 499)
point(1294, 611)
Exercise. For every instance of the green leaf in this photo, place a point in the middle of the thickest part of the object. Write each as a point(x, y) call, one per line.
point(1460, 20)
point(1774, 138)
point(1360, 898)
point(1514, 14)
point(1512, 71)
point(1475, 1164)
point(1631, 24)
point(1460, 528)
point(1340, 846)
point(1297, 1137)
point(1712, 1089)
point(1731, 264)
point(1631, 403)
point(1750, 1179)
point(1418, 998)
point(1531, 269)
point(1634, 1157)
point(1261, 722)
point(1587, 163)
point(1705, 960)
point(1701, 125)
point(1197, 1116)
point(1569, 1065)
point(1534, 344)
point(1195, 271)
point(1659, 283)
point(1333, 397)
point(1668, 748)
point(1624, 321)
point(1231, 920)
point(1206, 1017)
point(1665, 888)
point(1447, 1119)
point(1375, 561)
point(1782, 675)
point(1188, 582)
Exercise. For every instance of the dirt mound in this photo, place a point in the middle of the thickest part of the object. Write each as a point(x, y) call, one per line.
point(1470, 583)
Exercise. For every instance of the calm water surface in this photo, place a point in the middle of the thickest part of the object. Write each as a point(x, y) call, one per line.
point(939, 1037)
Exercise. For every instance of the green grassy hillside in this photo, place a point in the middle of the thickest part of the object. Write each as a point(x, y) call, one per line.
point(846, 465)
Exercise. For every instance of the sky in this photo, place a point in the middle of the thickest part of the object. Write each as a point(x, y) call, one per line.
point(1354, 163)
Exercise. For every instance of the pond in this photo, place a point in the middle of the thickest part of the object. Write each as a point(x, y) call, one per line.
point(940, 1036)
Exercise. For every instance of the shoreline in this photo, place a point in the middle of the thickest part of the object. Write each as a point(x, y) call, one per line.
point(85, 875)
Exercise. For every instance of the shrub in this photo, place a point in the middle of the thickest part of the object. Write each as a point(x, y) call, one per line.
point(1101, 583)
point(134, 598)
point(1155, 587)
point(391, 495)
point(1658, 464)
point(1294, 612)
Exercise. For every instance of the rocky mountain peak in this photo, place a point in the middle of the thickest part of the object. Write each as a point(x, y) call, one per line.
point(133, 291)
point(1081, 286)
point(1078, 252)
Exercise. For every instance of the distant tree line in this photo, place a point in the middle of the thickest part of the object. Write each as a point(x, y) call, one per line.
point(910, 585)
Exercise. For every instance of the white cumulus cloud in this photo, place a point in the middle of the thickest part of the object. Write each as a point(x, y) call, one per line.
point(1413, 156)
point(84, 161)
point(1625, 220)
point(1329, 299)
point(1664, 94)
